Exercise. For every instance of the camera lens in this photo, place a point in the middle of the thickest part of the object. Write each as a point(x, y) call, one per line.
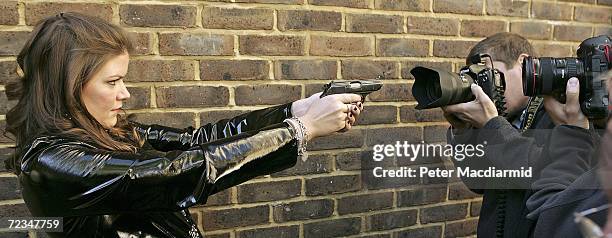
point(435, 88)
point(544, 76)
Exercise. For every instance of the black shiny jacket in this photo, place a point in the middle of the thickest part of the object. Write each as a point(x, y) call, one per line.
point(101, 193)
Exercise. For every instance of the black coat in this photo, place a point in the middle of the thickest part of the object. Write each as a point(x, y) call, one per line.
point(503, 212)
point(568, 184)
point(101, 193)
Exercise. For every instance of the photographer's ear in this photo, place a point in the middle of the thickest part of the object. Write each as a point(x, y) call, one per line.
point(521, 58)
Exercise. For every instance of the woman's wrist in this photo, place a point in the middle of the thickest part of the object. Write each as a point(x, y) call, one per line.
point(299, 107)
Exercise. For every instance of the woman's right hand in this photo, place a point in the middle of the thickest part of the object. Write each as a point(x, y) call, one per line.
point(330, 114)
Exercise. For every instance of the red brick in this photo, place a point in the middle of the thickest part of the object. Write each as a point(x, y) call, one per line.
point(507, 8)
point(403, 5)
point(11, 42)
point(401, 47)
point(8, 72)
point(160, 70)
point(140, 98)
point(237, 18)
point(481, 28)
point(35, 12)
point(234, 69)
point(409, 65)
point(459, 191)
point(422, 232)
point(452, 48)
point(365, 203)
point(195, 44)
point(473, 7)
point(303, 210)
point(374, 23)
point(267, 94)
point(369, 69)
point(313, 88)
point(235, 217)
point(390, 134)
point(269, 191)
point(532, 30)
point(393, 93)
point(552, 50)
point(603, 31)
point(421, 196)
point(309, 20)
point(551, 11)
point(158, 15)
point(410, 114)
point(271, 45)
point(350, 139)
point(382, 114)
point(604, 2)
point(341, 3)
point(141, 42)
point(221, 198)
point(443, 213)
point(14, 210)
point(305, 69)
point(341, 46)
point(433, 26)
point(593, 14)
point(572, 33)
point(315, 164)
point(10, 15)
point(276, 231)
point(391, 220)
point(332, 185)
point(298, 2)
point(192, 96)
point(333, 228)
point(170, 119)
point(461, 228)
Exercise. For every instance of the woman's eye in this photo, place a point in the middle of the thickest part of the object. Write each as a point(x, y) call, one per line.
point(113, 82)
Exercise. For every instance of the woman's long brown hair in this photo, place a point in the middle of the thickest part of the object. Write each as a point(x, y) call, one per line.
point(61, 55)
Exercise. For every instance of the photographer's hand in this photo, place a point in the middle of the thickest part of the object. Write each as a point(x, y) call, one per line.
point(477, 112)
point(568, 113)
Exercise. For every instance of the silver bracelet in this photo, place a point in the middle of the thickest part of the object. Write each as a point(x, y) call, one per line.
point(301, 134)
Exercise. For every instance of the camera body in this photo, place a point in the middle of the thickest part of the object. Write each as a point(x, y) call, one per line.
point(549, 76)
point(436, 88)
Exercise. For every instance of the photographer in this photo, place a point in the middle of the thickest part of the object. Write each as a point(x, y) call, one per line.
point(79, 158)
point(570, 183)
point(503, 210)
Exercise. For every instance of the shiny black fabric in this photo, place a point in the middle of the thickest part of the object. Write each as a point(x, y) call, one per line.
point(102, 193)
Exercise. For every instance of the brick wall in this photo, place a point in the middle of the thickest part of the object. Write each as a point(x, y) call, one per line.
point(198, 61)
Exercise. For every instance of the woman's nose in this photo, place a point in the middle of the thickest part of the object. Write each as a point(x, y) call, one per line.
point(124, 93)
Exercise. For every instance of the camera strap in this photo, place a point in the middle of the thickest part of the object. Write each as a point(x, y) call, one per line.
point(528, 116)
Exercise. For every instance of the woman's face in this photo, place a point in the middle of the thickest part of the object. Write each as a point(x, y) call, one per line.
point(105, 92)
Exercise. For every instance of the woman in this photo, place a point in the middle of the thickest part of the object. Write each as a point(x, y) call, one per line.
point(79, 159)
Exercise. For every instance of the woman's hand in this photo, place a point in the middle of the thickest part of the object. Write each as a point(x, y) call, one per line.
point(330, 114)
point(299, 107)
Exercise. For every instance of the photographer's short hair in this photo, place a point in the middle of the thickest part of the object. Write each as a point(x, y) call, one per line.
point(504, 46)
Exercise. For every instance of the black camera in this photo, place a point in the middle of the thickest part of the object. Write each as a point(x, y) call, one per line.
point(436, 88)
point(548, 76)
